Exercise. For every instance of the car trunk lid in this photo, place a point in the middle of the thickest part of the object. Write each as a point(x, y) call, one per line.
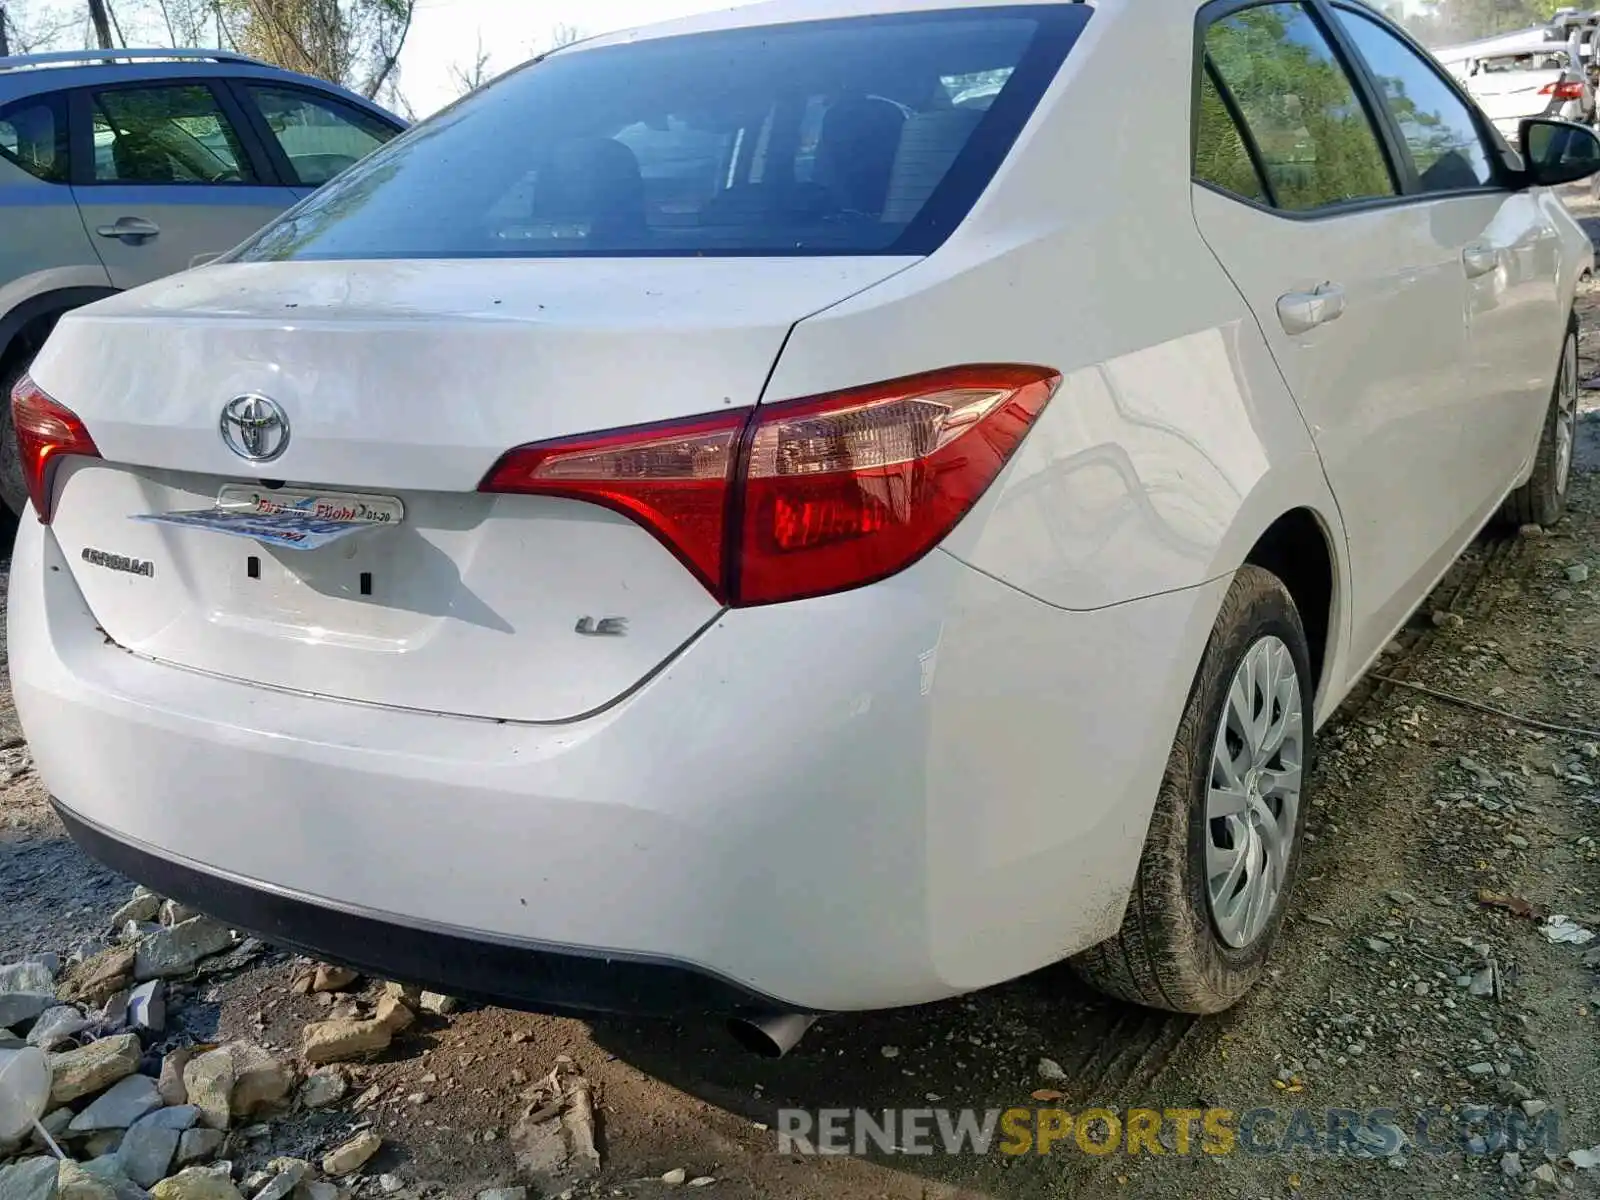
point(403, 383)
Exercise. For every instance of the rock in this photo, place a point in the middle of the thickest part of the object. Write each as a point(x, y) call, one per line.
point(1482, 982)
point(30, 1179)
point(352, 1155)
point(393, 1015)
point(405, 992)
point(438, 1004)
point(1546, 1174)
point(515, 1193)
point(103, 1143)
point(1378, 945)
point(174, 913)
point(26, 990)
point(148, 1149)
point(173, 1089)
point(126, 1101)
point(343, 1038)
point(147, 1006)
point(208, 1082)
point(175, 951)
point(332, 978)
point(890, 1051)
point(675, 1177)
point(195, 1183)
point(291, 1173)
point(700, 1181)
point(1530, 531)
point(199, 1145)
point(1511, 1164)
point(74, 1183)
point(1482, 1068)
point(92, 1068)
point(1577, 573)
point(261, 1082)
point(1401, 896)
point(323, 1088)
point(390, 1184)
point(1051, 1071)
point(1447, 620)
point(57, 1025)
point(1534, 1107)
point(145, 906)
point(1517, 840)
point(97, 979)
point(319, 1190)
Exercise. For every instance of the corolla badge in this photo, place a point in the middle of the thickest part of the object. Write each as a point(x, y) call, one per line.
point(255, 428)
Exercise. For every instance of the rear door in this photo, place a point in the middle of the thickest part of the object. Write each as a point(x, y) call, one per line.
point(1360, 300)
point(310, 136)
point(165, 173)
point(1507, 246)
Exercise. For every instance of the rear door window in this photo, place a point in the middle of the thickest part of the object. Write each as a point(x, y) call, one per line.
point(33, 136)
point(174, 134)
point(1316, 144)
point(868, 135)
point(1438, 127)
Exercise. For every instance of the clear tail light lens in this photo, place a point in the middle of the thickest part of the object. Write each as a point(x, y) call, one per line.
point(807, 497)
point(46, 432)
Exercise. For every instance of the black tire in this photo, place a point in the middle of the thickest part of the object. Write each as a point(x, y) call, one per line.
point(1543, 499)
point(1169, 953)
point(12, 488)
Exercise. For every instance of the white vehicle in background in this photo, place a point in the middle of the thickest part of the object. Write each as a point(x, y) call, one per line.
point(1539, 72)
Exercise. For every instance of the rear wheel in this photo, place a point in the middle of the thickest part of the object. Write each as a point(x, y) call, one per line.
point(1224, 843)
point(1543, 499)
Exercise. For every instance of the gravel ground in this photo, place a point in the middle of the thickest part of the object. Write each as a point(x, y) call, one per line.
point(1422, 808)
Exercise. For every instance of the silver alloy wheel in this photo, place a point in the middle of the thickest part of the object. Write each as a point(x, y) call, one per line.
point(1253, 798)
point(1566, 414)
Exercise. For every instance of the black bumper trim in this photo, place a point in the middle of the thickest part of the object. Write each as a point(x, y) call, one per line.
point(528, 976)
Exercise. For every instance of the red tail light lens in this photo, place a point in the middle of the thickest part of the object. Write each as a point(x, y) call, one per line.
point(46, 432)
point(671, 478)
point(828, 493)
point(848, 489)
point(1563, 91)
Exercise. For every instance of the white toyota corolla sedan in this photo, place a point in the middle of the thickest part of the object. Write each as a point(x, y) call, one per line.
point(824, 506)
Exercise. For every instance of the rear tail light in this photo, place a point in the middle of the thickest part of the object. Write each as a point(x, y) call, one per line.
point(806, 497)
point(1563, 91)
point(46, 433)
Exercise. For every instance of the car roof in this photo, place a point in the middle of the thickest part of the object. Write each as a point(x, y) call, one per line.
point(33, 74)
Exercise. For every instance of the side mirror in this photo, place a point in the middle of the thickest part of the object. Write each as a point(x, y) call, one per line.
point(1558, 152)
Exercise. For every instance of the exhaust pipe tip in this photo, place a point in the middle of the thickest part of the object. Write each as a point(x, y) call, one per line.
point(770, 1036)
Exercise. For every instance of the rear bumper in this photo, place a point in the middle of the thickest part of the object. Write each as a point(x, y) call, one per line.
point(885, 797)
point(457, 962)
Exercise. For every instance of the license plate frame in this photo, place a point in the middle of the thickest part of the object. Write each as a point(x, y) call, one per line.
point(288, 518)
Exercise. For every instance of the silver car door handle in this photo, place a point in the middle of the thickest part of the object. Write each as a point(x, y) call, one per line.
point(1301, 312)
point(132, 230)
point(1480, 260)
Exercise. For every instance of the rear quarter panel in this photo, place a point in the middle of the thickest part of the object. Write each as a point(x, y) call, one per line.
point(1173, 443)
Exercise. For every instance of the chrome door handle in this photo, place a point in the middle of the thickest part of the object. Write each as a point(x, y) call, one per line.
point(133, 231)
point(1480, 260)
point(1301, 312)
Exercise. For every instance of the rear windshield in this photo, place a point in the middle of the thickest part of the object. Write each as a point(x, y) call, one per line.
point(871, 135)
